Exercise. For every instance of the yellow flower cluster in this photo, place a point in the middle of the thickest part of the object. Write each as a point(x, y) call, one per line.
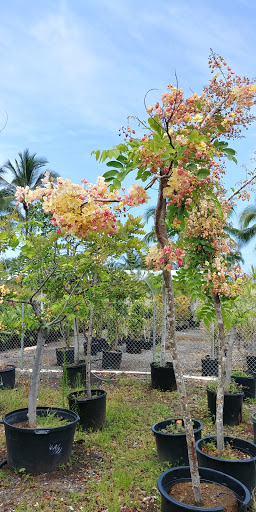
point(3, 291)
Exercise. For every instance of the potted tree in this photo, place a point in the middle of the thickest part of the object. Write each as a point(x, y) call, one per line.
point(181, 152)
point(91, 220)
point(23, 440)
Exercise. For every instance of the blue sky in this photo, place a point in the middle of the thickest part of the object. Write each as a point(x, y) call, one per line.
point(72, 71)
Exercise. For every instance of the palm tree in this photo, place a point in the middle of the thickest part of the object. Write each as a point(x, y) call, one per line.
point(248, 230)
point(26, 171)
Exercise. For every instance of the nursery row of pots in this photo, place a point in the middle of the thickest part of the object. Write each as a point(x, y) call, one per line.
point(238, 476)
point(44, 449)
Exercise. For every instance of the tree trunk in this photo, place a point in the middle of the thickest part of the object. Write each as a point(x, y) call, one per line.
point(231, 341)
point(221, 373)
point(162, 354)
point(89, 344)
point(115, 344)
point(161, 233)
point(154, 330)
point(32, 402)
point(76, 341)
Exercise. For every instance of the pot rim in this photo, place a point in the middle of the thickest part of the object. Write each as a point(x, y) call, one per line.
point(163, 492)
point(10, 367)
point(168, 364)
point(44, 430)
point(225, 394)
point(74, 394)
point(226, 438)
point(76, 365)
point(167, 434)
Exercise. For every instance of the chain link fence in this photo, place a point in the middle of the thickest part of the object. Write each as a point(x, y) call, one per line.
point(126, 336)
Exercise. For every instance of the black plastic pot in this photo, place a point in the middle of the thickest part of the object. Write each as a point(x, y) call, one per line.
point(173, 447)
point(133, 346)
point(102, 344)
point(182, 474)
point(251, 364)
point(94, 348)
point(242, 469)
point(162, 377)
point(64, 356)
point(233, 407)
point(209, 367)
point(92, 411)
point(254, 426)
point(111, 360)
point(39, 450)
point(7, 377)
point(248, 385)
point(76, 374)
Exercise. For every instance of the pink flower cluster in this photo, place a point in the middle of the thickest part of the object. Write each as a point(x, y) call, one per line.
point(164, 258)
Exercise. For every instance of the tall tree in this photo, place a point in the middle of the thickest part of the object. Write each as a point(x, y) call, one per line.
point(26, 171)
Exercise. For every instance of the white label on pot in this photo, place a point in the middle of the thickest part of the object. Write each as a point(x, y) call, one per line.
point(55, 449)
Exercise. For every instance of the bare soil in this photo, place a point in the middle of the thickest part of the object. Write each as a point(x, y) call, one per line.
point(214, 495)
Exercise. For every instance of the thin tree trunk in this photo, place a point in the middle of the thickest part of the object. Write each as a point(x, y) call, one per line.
point(115, 344)
point(163, 338)
point(89, 344)
point(76, 341)
point(231, 341)
point(154, 330)
point(32, 402)
point(221, 373)
point(161, 233)
point(213, 341)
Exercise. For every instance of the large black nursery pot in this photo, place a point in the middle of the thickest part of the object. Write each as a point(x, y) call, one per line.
point(76, 374)
point(65, 355)
point(182, 474)
point(162, 377)
point(254, 426)
point(241, 469)
point(92, 411)
point(7, 377)
point(111, 359)
point(173, 447)
point(39, 450)
point(233, 407)
point(248, 385)
point(209, 367)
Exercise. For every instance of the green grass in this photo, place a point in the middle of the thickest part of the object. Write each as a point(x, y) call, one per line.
point(112, 468)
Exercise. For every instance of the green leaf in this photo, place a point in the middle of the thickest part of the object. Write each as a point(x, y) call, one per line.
point(229, 151)
point(155, 126)
point(117, 184)
point(115, 164)
point(97, 154)
point(110, 174)
point(221, 128)
point(203, 173)
point(193, 135)
point(115, 153)
point(192, 167)
point(122, 159)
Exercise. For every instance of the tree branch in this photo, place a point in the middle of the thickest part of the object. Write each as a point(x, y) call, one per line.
point(241, 187)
